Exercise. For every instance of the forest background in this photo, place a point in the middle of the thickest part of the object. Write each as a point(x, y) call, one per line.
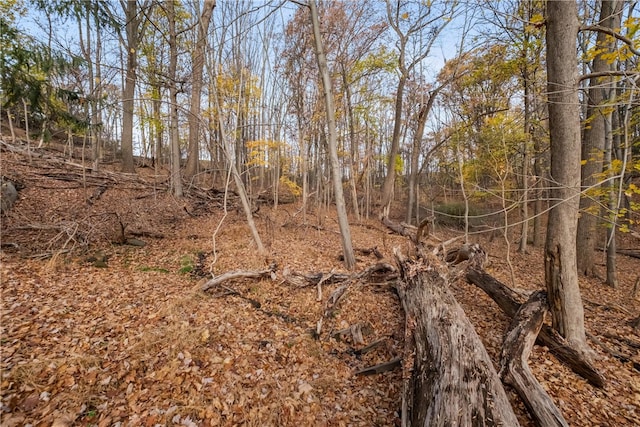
point(444, 108)
point(450, 98)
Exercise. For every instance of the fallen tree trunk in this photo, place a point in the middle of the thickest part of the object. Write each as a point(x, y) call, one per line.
point(514, 369)
point(629, 252)
point(507, 300)
point(232, 275)
point(402, 229)
point(453, 381)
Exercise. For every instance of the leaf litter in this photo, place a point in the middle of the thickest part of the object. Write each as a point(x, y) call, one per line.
point(137, 344)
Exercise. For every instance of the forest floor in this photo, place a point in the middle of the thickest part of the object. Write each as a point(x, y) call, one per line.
point(95, 332)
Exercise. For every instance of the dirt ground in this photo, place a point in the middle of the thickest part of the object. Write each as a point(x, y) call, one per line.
point(98, 330)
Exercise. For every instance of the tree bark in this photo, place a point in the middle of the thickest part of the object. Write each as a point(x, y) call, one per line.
point(594, 141)
point(390, 177)
point(343, 221)
point(507, 300)
point(352, 146)
point(425, 109)
point(176, 178)
point(197, 59)
point(453, 381)
point(514, 369)
point(561, 272)
point(131, 28)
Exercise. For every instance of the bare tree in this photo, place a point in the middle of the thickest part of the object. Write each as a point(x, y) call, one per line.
point(410, 21)
point(422, 115)
point(561, 272)
point(594, 138)
point(349, 256)
point(174, 136)
point(197, 60)
point(133, 21)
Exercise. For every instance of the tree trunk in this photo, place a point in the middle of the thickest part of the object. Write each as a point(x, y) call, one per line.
point(197, 60)
point(594, 141)
point(415, 153)
point(561, 272)
point(528, 130)
point(132, 24)
point(157, 125)
point(514, 369)
point(453, 381)
point(539, 204)
point(507, 300)
point(349, 256)
point(98, 103)
point(352, 146)
point(390, 177)
point(612, 279)
point(176, 178)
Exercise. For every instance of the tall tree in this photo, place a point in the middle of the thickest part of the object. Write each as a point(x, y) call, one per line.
point(349, 256)
point(355, 28)
point(561, 272)
point(197, 60)
point(594, 137)
point(417, 26)
point(421, 120)
point(174, 136)
point(91, 15)
point(133, 21)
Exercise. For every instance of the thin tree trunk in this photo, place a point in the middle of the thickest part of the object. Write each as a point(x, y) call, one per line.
point(176, 178)
point(528, 129)
point(349, 256)
point(131, 28)
point(611, 279)
point(96, 106)
point(197, 59)
point(157, 128)
point(26, 125)
point(425, 109)
point(538, 206)
point(390, 177)
point(353, 147)
point(11, 129)
point(413, 163)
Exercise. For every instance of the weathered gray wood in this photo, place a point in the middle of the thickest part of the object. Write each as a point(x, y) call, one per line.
point(380, 368)
point(232, 275)
point(514, 369)
point(453, 381)
point(402, 229)
point(507, 300)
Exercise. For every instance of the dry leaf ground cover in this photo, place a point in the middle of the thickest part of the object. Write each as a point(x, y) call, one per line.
point(133, 342)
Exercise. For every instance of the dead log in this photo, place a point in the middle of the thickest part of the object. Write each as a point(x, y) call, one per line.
point(629, 252)
point(514, 369)
point(402, 229)
point(507, 300)
point(367, 348)
point(300, 280)
point(375, 273)
point(453, 381)
point(380, 368)
point(615, 353)
point(232, 275)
